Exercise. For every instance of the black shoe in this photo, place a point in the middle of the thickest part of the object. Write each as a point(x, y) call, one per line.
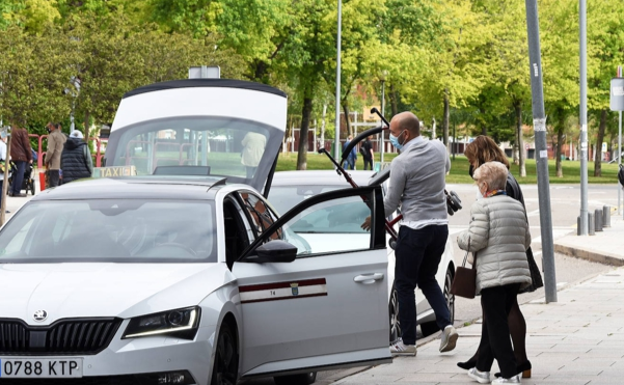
point(468, 364)
point(8, 212)
point(524, 369)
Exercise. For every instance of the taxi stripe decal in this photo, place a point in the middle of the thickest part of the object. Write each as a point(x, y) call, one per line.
point(283, 290)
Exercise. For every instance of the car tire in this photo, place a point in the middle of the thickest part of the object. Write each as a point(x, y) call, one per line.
point(296, 379)
point(225, 367)
point(393, 314)
point(428, 328)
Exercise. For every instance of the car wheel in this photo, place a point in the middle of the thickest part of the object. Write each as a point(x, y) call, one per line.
point(296, 379)
point(393, 313)
point(225, 367)
point(428, 328)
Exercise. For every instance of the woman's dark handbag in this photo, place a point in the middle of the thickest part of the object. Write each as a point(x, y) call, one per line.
point(536, 276)
point(465, 281)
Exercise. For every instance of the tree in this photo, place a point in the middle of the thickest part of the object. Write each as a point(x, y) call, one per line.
point(35, 71)
point(605, 53)
point(560, 66)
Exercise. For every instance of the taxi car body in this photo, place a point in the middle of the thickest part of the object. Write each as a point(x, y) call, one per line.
point(184, 273)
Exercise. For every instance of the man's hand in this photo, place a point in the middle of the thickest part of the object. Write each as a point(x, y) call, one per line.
point(367, 224)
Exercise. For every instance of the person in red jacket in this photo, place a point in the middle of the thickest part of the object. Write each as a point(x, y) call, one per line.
point(21, 155)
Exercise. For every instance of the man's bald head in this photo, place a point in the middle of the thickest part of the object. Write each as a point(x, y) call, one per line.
point(405, 121)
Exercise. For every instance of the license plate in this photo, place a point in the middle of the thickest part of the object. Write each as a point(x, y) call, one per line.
point(40, 367)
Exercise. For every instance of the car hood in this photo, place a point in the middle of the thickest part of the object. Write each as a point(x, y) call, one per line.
point(103, 289)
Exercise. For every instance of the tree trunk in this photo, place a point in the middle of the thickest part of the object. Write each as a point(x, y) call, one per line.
point(86, 126)
point(345, 109)
point(558, 152)
point(600, 139)
point(446, 121)
point(302, 155)
point(520, 141)
point(323, 126)
point(393, 101)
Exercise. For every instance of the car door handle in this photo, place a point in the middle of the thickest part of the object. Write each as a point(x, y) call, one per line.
point(367, 279)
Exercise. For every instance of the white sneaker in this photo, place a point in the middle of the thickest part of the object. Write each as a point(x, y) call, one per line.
point(512, 380)
point(400, 349)
point(448, 339)
point(480, 377)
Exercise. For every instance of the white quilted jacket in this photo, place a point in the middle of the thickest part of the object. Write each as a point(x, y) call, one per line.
point(499, 235)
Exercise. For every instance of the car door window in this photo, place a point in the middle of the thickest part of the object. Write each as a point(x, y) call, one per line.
point(259, 214)
point(332, 223)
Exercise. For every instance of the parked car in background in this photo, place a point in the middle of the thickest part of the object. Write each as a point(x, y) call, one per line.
point(339, 227)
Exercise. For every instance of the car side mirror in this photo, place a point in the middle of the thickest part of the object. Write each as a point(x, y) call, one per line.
point(274, 251)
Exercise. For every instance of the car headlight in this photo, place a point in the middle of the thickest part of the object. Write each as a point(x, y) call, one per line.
point(181, 323)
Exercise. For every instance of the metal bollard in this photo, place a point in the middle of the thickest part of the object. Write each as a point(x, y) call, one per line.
point(590, 224)
point(578, 225)
point(606, 216)
point(598, 219)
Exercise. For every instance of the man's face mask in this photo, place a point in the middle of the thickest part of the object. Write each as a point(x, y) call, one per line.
point(394, 140)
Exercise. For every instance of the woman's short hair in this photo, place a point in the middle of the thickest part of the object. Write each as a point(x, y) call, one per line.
point(484, 149)
point(493, 173)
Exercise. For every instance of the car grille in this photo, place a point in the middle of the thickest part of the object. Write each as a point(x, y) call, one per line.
point(111, 380)
point(64, 337)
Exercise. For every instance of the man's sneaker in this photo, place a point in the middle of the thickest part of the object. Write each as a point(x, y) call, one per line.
point(480, 377)
point(512, 380)
point(400, 349)
point(448, 340)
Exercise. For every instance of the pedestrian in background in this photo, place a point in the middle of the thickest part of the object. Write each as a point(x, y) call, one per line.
point(352, 157)
point(417, 182)
point(76, 161)
point(481, 150)
point(367, 154)
point(3, 166)
point(21, 155)
point(56, 141)
point(253, 149)
point(498, 236)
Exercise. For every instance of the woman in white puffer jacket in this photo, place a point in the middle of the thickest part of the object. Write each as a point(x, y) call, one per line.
point(498, 236)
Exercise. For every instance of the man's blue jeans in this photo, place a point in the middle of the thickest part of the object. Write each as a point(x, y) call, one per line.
point(418, 254)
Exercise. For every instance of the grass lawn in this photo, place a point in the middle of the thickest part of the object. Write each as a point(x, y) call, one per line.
point(459, 169)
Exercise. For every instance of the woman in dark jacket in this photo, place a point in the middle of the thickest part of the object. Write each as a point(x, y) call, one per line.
point(76, 160)
point(498, 236)
point(481, 150)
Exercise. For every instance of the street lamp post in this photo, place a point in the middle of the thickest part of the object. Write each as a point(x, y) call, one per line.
point(383, 113)
point(74, 93)
point(338, 43)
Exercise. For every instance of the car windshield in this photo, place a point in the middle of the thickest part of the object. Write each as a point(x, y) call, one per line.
point(202, 145)
point(346, 217)
point(110, 230)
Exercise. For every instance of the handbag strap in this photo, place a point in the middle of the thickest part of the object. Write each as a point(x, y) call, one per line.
point(466, 255)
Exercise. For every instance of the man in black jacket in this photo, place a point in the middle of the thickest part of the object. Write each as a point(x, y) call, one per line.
point(76, 160)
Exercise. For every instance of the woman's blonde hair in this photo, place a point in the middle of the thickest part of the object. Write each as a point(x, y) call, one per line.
point(484, 149)
point(493, 173)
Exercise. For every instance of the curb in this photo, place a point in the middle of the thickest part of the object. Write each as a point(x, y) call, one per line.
point(574, 251)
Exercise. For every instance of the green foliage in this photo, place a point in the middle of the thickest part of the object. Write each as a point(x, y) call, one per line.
point(472, 53)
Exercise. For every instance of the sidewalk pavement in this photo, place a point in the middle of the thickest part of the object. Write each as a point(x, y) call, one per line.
point(577, 340)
